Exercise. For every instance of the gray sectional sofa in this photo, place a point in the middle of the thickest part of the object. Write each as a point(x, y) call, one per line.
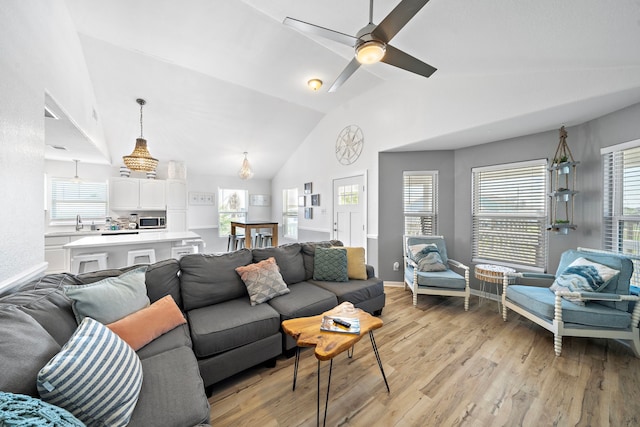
point(224, 333)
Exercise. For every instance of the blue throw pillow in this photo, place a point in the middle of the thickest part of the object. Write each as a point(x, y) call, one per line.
point(330, 265)
point(96, 376)
point(583, 275)
point(429, 259)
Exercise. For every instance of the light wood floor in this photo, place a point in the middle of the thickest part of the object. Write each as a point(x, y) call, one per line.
point(446, 367)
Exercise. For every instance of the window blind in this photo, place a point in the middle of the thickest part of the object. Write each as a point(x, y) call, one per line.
point(510, 214)
point(420, 200)
point(69, 198)
point(621, 203)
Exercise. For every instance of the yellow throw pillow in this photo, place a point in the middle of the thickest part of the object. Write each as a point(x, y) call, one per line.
point(356, 268)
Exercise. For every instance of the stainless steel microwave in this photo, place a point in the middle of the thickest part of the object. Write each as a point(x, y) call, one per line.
point(152, 222)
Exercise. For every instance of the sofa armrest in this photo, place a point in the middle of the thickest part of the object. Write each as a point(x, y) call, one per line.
point(371, 272)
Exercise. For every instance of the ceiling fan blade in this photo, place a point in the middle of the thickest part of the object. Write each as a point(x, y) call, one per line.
point(320, 31)
point(396, 19)
point(346, 73)
point(400, 59)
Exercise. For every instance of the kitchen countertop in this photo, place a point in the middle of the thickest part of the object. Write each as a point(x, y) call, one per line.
point(97, 232)
point(131, 239)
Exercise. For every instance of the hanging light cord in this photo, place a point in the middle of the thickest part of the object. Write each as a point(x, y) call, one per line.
point(141, 104)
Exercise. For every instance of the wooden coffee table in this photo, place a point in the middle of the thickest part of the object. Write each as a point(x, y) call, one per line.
point(306, 331)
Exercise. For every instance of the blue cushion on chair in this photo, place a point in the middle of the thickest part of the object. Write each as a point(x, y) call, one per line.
point(437, 279)
point(437, 240)
point(541, 301)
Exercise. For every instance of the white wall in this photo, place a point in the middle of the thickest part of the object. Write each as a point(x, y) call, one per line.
point(40, 53)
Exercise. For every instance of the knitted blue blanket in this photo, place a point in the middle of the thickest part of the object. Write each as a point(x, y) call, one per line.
point(21, 410)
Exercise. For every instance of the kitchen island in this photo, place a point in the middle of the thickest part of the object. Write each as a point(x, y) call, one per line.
point(117, 246)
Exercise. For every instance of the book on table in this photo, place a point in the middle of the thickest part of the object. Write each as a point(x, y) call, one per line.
point(339, 324)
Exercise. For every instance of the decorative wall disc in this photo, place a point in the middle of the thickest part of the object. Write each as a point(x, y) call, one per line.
point(349, 144)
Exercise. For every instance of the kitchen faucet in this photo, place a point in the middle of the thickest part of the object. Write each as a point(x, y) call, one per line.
point(79, 225)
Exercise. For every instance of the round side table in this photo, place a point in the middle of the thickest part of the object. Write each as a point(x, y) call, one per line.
point(489, 273)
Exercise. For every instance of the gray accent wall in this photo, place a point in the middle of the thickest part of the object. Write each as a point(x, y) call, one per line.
point(390, 215)
point(585, 142)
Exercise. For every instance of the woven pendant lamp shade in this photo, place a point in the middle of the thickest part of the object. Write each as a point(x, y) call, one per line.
point(140, 159)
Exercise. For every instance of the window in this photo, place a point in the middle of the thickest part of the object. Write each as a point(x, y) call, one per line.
point(290, 213)
point(348, 194)
point(510, 214)
point(621, 202)
point(420, 199)
point(232, 206)
point(70, 198)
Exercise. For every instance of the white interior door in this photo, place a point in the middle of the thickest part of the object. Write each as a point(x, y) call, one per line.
point(349, 208)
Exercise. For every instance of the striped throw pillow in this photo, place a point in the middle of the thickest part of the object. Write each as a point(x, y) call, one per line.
point(96, 376)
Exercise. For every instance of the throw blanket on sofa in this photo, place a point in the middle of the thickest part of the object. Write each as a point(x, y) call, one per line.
point(22, 410)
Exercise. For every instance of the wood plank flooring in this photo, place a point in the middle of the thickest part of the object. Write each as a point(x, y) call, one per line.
point(445, 367)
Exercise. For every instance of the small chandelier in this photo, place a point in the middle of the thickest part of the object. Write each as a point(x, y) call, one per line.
point(245, 171)
point(140, 159)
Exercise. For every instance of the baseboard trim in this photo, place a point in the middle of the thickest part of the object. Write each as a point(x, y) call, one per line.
point(393, 284)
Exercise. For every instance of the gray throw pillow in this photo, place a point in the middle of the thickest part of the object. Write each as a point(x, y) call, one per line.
point(429, 259)
point(330, 265)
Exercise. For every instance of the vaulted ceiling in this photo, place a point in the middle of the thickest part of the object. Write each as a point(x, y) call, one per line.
point(222, 77)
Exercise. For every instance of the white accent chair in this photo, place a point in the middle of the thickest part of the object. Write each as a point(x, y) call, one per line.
point(606, 314)
point(443, 283)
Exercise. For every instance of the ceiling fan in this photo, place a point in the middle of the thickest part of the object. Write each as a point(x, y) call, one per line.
point(371, 43)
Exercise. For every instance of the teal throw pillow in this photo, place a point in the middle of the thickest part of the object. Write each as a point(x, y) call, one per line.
point(330, 265)
point(110, 299)
point(583, 275)
point(429, 259)
point(96, 376)
point(23, 410)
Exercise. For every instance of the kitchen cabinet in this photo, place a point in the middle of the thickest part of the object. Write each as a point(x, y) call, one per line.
point(176, 194)
point(55, 255)
point(137, 194)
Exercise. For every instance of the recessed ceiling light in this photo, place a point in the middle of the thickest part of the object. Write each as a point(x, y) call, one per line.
point(314, 84)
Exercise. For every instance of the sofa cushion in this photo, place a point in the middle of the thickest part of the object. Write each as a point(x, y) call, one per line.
point(177, 337)
point(21, 410)
point(542, 302)
point(25, 347)
point(263, 280)
point(448, 279)
point(305, 299)
point(583, 275)
point(140, 328)
point(172, 392)
point(110, 299)
point(331, 265)
point(230, 324)
point(161, 279)
point(289, 259)
point(96, 376)
point(212, 279)
point(354, 291)
point(309, 251)
point(49, 307)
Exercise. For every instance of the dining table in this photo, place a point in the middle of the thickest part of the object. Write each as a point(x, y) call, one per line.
point(248, 226)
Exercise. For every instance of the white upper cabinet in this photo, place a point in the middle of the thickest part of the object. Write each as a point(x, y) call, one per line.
point(137, 194)
point(176, 194)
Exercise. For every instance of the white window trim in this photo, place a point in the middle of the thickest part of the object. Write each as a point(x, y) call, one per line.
point(539, 218)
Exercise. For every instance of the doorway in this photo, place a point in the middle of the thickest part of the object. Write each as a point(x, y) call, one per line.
point(349, 211)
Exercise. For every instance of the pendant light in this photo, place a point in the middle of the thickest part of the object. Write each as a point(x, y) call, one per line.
point(140, 159)
point(245, 171)
point(76, 178)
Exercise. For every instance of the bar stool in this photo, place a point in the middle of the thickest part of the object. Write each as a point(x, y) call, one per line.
point(235, 242)
point(267, 239)
point(257, 242)
point(132, 256)
point(78, 262)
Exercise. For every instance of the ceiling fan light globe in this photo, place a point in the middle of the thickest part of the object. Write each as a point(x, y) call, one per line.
point(370, 52)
